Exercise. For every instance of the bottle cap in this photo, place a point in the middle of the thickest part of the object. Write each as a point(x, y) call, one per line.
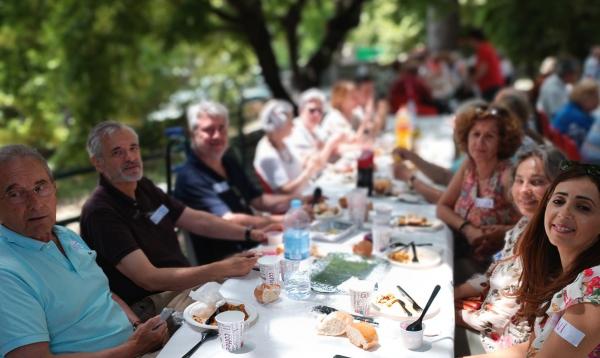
point(295, 203)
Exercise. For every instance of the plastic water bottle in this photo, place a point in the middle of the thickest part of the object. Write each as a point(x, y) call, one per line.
point(296, 241)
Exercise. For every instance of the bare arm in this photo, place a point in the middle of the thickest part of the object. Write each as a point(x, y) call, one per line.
point(206, 224)
point(430, 193)
point(445, 207)
point(437, 174)
point(465, 290)
point(131, 316)
point(586, 318)
point(257, 221)
point(273, 203)
point(146, 338)
point(143, 273)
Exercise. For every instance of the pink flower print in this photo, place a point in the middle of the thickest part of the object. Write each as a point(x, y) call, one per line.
point(593, 284)
point(588, 272)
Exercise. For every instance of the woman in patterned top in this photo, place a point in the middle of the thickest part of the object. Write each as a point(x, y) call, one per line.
point(476, 203)
point(560, 284)
point(491, 314)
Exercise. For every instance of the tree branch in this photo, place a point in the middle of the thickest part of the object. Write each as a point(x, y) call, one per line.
point(290, 25)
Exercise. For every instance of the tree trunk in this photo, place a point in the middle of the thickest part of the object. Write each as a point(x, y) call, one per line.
point(442, 26)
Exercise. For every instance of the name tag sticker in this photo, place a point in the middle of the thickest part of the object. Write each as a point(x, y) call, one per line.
point(485, 203)
point(568, 332)
point(221, 187)
point(159, 214)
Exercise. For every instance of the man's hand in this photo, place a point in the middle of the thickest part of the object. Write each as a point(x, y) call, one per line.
point(259, 235)
point(237, 265)
point(149, 336)
point(402, 172)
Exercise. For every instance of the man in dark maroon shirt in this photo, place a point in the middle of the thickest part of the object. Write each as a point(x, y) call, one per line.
point(131, 224)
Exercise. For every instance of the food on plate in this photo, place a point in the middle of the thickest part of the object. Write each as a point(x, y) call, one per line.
point(334, 324)
point(387, 299)
point(324, 210)
point(412, 220)
point(363, 248)
point(362, 335)
point(200, 318)
point(388, 303)
point(266, 293)
point(401, 256)
point(382, 186)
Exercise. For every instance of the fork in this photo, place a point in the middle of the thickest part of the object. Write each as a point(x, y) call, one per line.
point(414, 250)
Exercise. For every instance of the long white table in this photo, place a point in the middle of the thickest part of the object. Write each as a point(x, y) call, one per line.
point(287, 328)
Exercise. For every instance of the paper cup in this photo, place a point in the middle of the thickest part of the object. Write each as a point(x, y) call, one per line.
point(231, 329)
point(360, 296)
point(411, 339)
point(274, 237)
point(269, 269)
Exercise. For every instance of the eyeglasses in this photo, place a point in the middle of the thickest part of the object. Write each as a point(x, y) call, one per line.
point(315, 110)
point(20, 195)
point(589, 169)
point(491, 112)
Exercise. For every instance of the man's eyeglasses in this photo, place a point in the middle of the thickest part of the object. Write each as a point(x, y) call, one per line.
point(20, 195)
point(589, 169)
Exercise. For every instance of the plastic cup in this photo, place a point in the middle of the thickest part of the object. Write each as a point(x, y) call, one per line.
point(357, 205)
point(269, 269)
point(274, 237)
point(383, 211)
point(231, 329)
point(360, 296)
point(411, 339)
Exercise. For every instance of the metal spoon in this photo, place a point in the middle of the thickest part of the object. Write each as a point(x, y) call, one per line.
point(418, 324)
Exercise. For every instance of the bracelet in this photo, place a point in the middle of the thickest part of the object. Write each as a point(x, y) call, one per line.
point(463, 225)
point(136, 324)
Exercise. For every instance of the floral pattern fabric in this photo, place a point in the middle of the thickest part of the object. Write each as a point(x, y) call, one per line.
point(585, 289)
point(502, 213)
point(495, 319)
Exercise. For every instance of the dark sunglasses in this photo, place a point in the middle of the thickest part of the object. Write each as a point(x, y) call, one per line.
point(589, 169)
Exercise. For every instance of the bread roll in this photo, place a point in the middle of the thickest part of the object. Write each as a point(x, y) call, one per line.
point(362, 335)
point(363, 248)
point(334, 324)
point(266, 293)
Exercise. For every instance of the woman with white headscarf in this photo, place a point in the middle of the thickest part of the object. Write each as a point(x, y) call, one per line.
point(276, 165)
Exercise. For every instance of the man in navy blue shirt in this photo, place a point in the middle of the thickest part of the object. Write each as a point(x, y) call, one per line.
point(213, 180)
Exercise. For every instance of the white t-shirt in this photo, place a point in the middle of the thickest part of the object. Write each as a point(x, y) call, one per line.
point(335, 122)
point(302, 142)
point(276, 168)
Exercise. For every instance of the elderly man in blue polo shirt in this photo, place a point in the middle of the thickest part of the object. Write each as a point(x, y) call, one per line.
point(54, 299)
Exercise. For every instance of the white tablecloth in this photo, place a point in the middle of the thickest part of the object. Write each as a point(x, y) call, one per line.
point(287, 328)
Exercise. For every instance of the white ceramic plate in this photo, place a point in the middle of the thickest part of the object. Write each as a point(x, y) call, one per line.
point(192, 308)
point(395, 311)
point(428, 257)
point(410, 198)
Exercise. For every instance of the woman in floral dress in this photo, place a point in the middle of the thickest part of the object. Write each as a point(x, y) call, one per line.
point(535, 169)
point(560, 284)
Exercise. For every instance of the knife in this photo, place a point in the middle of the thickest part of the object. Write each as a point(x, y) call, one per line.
point(328, 310)
point(414, 303)
point(205, 335)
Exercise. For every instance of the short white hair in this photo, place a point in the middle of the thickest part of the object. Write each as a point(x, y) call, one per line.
point(274, 114)
point(207, 108)
point(311, 94)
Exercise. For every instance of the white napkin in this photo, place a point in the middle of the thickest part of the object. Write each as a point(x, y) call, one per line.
point(209, 294)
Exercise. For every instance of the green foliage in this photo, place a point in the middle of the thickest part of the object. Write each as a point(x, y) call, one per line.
point(529, 31)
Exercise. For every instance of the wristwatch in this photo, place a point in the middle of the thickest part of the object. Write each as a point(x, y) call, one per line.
point(248, 232)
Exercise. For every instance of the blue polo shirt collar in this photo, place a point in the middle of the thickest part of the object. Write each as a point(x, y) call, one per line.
point(20, 240)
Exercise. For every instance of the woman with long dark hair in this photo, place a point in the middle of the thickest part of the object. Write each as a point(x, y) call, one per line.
point(560, 283)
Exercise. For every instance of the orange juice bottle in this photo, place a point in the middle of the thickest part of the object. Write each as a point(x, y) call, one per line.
point(404, 128)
